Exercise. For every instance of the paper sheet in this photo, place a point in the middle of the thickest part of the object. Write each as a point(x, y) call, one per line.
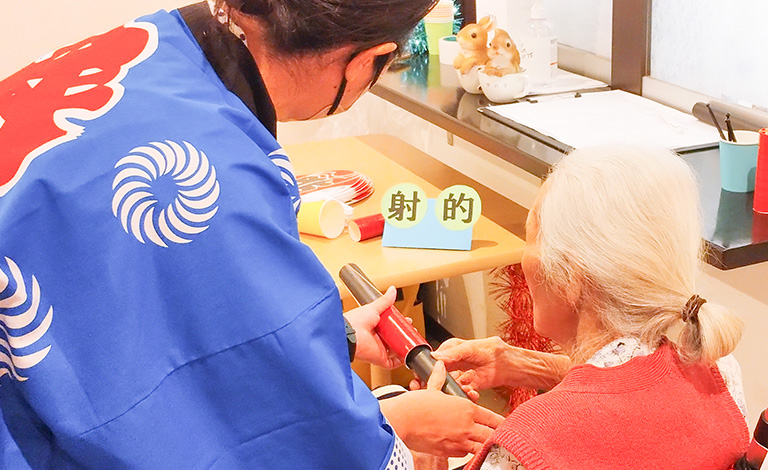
point(607, 117)
point(566, 81)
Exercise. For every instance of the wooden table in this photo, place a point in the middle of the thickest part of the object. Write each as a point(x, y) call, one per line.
point(405, 268)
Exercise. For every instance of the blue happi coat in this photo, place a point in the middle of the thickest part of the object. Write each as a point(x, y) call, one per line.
point(157, 309)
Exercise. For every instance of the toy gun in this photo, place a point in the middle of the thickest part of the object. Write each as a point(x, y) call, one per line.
point(395, 332)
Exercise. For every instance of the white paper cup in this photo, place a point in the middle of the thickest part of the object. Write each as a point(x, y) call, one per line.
point(322, 218)
point(449, 49)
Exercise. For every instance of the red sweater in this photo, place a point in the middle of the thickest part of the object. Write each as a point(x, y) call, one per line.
point(652, 412)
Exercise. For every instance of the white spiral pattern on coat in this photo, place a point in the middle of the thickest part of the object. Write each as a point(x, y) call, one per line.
point(281, 160)
point(136, 206)
point(19, 311)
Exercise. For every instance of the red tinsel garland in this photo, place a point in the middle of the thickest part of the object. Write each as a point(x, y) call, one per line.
point(510, 291)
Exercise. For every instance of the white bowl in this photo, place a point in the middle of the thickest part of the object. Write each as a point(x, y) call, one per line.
point(470, 80)
point(504, 89)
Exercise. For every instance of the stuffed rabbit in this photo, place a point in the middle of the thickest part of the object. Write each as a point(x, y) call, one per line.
point(473, 40)
point(503, 54)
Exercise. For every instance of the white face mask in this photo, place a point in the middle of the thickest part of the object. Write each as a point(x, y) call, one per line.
point(324, 112)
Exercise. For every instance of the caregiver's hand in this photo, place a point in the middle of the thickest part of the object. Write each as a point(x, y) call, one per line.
point(364, 319)
point(432, 422)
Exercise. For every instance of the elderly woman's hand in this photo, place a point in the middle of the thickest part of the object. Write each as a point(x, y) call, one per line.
point(480, 364)
point(432, 422)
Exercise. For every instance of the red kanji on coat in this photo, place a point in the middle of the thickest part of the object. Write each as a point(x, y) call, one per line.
point(80, 81)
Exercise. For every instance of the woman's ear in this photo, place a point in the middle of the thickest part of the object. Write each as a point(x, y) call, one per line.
point(361, 66)
point(576, 289)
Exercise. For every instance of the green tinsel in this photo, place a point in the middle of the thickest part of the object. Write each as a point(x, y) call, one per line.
point(417, 44)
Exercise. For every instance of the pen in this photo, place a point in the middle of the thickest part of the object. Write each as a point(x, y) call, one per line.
point(546, 97)
point(731, 135)
point(714, 119)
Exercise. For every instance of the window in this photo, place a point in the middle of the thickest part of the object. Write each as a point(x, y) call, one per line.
point(714, 47)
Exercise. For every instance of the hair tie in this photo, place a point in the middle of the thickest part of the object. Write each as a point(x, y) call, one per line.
point(691, 310)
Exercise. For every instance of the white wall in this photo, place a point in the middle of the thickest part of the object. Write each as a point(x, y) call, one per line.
point(30, 29)
point(586, 24)
point(583, 24)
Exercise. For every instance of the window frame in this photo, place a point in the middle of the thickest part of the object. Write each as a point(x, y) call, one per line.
point(631, 40)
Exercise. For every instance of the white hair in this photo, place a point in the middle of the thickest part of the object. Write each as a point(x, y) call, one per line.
point(620, 238)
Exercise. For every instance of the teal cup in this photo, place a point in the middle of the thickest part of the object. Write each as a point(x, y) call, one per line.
point(738, 162)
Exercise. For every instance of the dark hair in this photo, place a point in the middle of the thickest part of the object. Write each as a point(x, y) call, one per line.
point(307, 26)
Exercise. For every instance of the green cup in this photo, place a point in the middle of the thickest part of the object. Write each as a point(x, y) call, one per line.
point(436, 30)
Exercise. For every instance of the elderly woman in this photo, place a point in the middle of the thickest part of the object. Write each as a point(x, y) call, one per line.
point(157, 308)
point(613, 245)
